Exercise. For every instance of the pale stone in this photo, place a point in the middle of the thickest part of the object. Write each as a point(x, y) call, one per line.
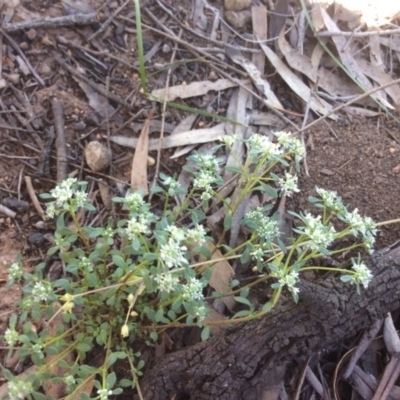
point(97, 156)
point(238, 19)
point(236, 5)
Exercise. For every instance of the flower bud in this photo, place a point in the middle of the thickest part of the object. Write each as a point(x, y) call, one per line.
point(125, 331)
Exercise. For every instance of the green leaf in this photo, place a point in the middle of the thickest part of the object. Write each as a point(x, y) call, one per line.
point(267, 307)
point(125, 383)
point(150, 256)
point(84, 347)
point(243, 300)
point(245, 257)
point(227, 221)
point(205, 333)
point(111, 379)
point(235, 170)
point(119, 261)
point(243, 313)
point(244, 292)
point(154, 336)
point(139, 41)
point(39, 396)
point(269, 190)
point(159, 315)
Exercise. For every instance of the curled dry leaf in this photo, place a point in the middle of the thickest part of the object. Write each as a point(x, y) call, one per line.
point(139, 162)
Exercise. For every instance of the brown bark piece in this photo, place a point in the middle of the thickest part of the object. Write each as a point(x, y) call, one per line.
point(235, 364)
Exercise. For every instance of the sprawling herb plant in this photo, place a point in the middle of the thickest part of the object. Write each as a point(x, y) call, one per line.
point(137, 276)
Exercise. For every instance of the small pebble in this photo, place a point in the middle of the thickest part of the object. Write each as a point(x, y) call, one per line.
point(166, 49)
point(97, 156)
point(31, 34)
point(13, 78)
point(238, 19)
point(36, 238)
point(236, 5)
point(16, 205)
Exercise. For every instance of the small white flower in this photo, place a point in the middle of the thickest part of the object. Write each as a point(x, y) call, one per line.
point(172, 254)
point(19, 389)
point(206, 162)
point(104, 393)
point(260, 144)
point(229, 140)
point(204, 179)
point(51, 210)
point(193, 290)
point(63, 192)
point(197, 234)
point(355, 221)
point(134, 201)
point(200, 311)
point(69, 380)
point(289, 184)
point(369, 242)
point(176, 234)
point(293, 145)
point(266, 227)
point(41, 291)
point(80, 198)
point(11, 336)
point(258, 255)
point(166, 282)
point(321, 236)
point(290, 281)
point(172, 183)
point(363, 273)
point(16, 271)
point(137, 226)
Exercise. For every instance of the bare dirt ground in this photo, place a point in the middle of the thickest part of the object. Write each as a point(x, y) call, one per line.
point(358, 157)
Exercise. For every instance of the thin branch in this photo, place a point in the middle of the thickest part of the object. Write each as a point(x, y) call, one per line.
point(357, 34)
point(51, 22)
point(61, 144)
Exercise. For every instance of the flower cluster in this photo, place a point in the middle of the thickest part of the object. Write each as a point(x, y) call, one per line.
point(174, 253)
point(206, 175)
point(104, 393)
point(321, 236)
point(173, 186)
point(139, 225)
point(65, 195)
point(266, 227)
point(331, 201)
point(363, 275)
point(262, 145)
point(363, 225)
point(284, 278)
point(16, 271)
point(11, 336)
point(19, 389)
point(42, 292)
point(134, 201)
point(289, 184)
point(166, 282)
point(193, 290)
point(291, 144)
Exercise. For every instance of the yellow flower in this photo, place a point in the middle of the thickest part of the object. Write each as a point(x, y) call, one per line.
point(68, 306)
point(124, 330)
point(130, 299)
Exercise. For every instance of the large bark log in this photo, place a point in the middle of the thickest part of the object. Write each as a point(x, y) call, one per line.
point(246, 359)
